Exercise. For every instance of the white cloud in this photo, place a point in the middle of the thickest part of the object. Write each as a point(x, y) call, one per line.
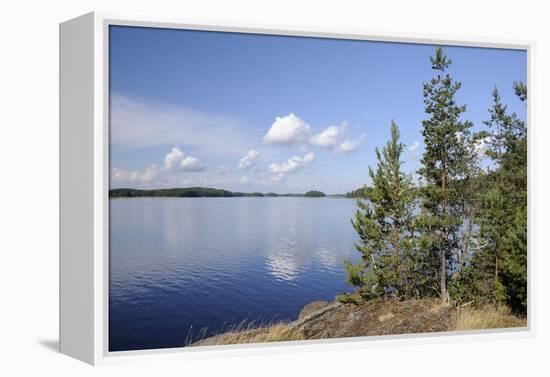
point(294, 163)
point(287, 130)
point(191, 164)
point(348, 146)
point(177, 160)
point(291, 130)
point(413, 151)
point(173, 158)
point(150, 173)
point(139, 177)
point(309, 158)
point(329, 137)
point(244, 179)
point(333, 138)
point(249, 159)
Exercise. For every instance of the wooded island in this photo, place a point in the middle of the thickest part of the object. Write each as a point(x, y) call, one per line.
point(206, 192)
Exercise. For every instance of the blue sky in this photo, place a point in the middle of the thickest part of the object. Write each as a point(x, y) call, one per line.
point(270, 113)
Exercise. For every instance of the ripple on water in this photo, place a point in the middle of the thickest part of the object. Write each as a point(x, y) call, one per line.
point(182, 264)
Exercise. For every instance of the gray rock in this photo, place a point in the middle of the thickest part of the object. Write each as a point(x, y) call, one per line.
point(310, 308)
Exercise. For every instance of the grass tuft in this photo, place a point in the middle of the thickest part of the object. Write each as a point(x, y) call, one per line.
point(249, 333)
point(486, 317)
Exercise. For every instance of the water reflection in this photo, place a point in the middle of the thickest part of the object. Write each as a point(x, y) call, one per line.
point(283, 264)
point(182, 263)
point(328, 257)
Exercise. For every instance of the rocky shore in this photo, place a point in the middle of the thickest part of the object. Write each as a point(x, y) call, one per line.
point(322, 320)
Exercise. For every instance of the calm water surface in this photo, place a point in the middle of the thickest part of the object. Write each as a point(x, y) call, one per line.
point(181, 265)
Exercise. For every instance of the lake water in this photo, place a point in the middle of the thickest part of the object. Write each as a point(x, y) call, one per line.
point(181, 265)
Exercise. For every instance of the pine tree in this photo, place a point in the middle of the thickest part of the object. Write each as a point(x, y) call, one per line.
point(384, 224)
point(446, 168)
point(499, 267)
point(514, 256)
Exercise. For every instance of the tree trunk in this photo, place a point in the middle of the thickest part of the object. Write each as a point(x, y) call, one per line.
point(396, 254)
point(395, 241)
point(395, 230)
point(443, 278)
point(496, 267)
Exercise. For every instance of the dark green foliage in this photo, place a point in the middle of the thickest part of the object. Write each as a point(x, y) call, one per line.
point(513, 275)
point(314, 194)
point(384, 223)
point(189, 192)
point(462, 233)
point(498, 271)
point(447, 166)
point(194, 192)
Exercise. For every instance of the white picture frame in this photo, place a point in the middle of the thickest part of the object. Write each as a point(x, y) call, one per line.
point(84, 179)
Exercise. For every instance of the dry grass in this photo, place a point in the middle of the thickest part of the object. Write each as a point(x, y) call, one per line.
point(376, 318)
point(385, 317)
point(278, 332)
point(438, 306)
point(274, 333)
point(487, 317)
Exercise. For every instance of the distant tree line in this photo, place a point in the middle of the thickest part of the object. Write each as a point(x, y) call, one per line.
point(188, 192)
point(461, 233)
point(314, 194)
point(195, 192)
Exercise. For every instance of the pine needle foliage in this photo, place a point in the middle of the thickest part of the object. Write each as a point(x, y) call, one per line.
point(385, 224)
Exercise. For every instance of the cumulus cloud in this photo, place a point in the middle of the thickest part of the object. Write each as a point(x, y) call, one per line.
point(288, 130)
point(139, 177)
point(150, 173)
point(309, 158)
point(333, 138)
point(173, 158)
point(348, 145)
point(177, 160)
point(249, 159)
point(291, 130)
point(191, 163)
point(292, 164)
point(413, 151)
point(327, 138)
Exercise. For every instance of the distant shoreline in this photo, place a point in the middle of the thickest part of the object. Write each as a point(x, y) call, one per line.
point(207, 192)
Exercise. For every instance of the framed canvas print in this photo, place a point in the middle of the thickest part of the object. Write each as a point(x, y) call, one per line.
point(225, 187)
